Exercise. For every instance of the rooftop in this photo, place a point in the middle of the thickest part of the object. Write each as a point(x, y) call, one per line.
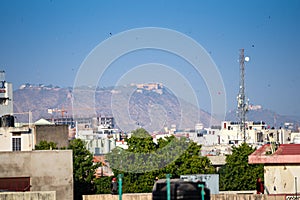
point(285, 153)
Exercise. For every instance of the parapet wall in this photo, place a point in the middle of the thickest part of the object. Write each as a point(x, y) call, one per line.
point(48, 170)
point(136, 196)
point(148, 196)
point(46, 195)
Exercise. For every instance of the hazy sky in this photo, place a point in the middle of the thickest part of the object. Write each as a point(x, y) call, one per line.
point(47, 42)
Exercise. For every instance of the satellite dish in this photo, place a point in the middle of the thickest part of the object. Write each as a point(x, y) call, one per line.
point(247, 59)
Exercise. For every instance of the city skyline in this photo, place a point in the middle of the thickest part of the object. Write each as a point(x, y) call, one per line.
point(47, 41)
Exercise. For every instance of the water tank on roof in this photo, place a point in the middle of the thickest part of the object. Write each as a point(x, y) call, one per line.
point(7, 121)
point(180, 189)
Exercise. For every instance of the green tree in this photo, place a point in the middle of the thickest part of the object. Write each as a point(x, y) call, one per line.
point(83, 169)
point(45, 145)
point(237, 174)
point(103, 185)
point(141, 142)
point(191, 161)
point(144, 160)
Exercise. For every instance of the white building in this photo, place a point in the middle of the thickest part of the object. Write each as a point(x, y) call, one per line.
point(16, 139)
point(6, 96)
point(256, 133)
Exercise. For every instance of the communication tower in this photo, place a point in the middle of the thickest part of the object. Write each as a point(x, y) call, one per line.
point(241, 98)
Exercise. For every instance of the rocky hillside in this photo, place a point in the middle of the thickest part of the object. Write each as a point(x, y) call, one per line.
point(151, 108)
point(132, 106)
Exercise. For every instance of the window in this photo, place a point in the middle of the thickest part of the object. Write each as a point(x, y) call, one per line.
point(16, 144)
point(2, 84)
point(15, 184)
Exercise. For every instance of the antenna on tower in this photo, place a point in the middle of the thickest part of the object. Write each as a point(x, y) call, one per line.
point(241, 98)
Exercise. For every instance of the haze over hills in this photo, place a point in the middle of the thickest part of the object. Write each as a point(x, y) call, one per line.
point(150, 106)
point(270, 117)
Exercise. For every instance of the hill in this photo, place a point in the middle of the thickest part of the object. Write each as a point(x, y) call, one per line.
point(270, 117)
point(151, 108)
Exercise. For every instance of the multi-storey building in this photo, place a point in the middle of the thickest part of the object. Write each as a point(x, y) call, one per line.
point(256, 133)
point(6, 96)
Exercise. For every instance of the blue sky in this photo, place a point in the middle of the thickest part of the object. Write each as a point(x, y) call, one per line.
point(47, 41)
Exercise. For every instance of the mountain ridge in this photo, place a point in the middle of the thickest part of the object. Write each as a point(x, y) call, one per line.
point(149, 105)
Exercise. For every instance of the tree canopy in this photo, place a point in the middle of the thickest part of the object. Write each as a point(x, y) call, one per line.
point(144, 160)
point(238, 174)
point(83, 169)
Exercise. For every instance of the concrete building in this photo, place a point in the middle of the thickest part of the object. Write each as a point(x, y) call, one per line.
point(58, 134)
point(25, 138)
point(38, 171)
point(217, 161)
point(281, 167)
point(100, 146)
point(205, 136)
point(16, 139)
point(149, 86)
point(295, 138)
point(6, 96)
point(256, 133)
point(99, 134)
point(99, 142)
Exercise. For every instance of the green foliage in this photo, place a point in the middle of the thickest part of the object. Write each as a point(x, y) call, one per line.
point(44, 145)
point(141, 142)
point(237, 174)
point(83, 169)
point(144, 160)
point(192, 163)
point(103, 185)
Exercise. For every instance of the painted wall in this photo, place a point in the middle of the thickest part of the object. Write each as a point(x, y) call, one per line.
point(280, 179)
point(7, 133)
point(48, 170)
